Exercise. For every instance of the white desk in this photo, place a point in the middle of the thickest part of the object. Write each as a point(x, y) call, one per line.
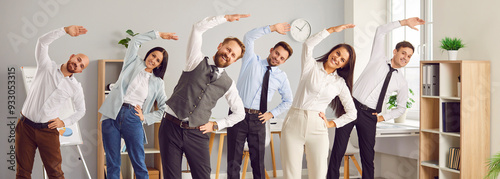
point(397, 139)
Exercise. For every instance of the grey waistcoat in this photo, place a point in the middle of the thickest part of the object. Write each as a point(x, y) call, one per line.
point(195, 96)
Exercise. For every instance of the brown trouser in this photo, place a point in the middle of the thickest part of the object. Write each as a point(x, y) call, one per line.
point(47, 142)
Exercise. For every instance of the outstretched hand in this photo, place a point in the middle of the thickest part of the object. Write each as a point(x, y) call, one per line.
point(169, 36)
point(235, 17)
point(281, 28)
point(75, 30)
point(412, 22)
point(340, 28)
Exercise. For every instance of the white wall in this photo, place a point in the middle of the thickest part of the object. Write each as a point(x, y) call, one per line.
point(107, 21)
point(477, 24)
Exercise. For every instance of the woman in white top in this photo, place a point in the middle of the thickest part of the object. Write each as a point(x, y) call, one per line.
point(326, 80)
point(130, 104)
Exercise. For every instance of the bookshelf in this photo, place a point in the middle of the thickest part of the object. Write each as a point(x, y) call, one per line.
point(108, 72)
point(474, 136)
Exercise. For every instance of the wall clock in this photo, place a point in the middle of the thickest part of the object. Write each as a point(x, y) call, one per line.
point(300, 30)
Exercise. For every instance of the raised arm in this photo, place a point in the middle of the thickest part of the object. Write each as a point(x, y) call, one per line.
point(138, 40)
point(256, 33)
point(378, 48)
point(311, 42)
point(194, 55)
point(42, 46)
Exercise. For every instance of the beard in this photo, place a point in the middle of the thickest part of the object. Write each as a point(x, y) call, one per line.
point(270, 62)
point(219, 62)
point(72, 65)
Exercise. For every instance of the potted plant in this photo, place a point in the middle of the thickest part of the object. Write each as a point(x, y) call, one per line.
point(452, 45)
point(493, 166)
point(394, 103)
point(127, 39)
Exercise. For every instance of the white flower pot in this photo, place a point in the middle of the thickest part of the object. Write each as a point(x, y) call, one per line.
point(402, 118)
point(452, 54)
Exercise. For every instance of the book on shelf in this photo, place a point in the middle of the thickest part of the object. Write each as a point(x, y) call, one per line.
point(434, 84)
point(453, 161)
point(451, 116)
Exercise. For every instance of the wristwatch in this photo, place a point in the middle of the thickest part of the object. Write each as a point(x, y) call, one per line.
point(215, 127)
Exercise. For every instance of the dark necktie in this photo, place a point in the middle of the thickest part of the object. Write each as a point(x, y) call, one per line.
point(263, 93)
point(384, 89)
point(213, 73)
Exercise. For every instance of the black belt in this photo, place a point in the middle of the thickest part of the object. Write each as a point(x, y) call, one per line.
point(362, 106)
point(252, 111)
point(128, 105)
point(34, 124)
point(181, 124)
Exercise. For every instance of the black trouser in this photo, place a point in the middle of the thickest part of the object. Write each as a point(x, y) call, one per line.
point(253, 131)
point(366, 125)
point(174, 141)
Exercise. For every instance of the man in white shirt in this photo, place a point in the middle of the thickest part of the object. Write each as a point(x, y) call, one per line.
point(378, 80)
point(52, 87)
point(185, 123)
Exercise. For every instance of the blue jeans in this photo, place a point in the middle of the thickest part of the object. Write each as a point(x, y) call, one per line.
point(129, 127)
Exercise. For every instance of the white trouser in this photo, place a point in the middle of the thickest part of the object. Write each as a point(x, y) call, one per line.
point(303, 129)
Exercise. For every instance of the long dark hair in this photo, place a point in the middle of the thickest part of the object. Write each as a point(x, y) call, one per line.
point(346, 72)
point(160, 70)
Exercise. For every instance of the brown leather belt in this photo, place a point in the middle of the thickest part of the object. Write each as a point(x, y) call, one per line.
point(252, 111)
point(181, 124)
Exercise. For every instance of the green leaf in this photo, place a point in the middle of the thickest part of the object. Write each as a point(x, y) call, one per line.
point(451, 43)
point(130, 32)
point(493, 166)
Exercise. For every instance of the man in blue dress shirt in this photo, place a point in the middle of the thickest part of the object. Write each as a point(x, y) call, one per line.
point(259, 79)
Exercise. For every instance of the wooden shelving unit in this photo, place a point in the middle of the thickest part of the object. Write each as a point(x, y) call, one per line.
point(474, 136)
point(113, 67)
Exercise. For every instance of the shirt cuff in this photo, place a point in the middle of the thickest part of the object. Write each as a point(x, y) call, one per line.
point(157, 34)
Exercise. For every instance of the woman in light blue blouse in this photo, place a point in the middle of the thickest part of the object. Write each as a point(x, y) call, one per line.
point(130, 104)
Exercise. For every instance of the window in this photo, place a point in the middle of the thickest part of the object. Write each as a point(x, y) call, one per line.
point(421, 40)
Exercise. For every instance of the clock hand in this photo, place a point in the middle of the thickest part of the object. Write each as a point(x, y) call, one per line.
point(298, 28)
point(302, 27)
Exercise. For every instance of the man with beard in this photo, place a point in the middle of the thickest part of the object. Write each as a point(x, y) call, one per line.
point(185, 123)
point(378, 80)
point(52, 86)
point(259, 79)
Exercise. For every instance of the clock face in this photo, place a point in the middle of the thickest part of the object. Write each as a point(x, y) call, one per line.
point(300, 30)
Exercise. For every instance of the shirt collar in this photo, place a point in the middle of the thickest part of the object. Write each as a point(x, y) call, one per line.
point(323, 69)
point(211, 62)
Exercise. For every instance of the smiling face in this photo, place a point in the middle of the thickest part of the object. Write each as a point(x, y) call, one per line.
point(77, 63)
point(227, 54)
point(277, 56)
point(153, 60)
point(338, 58)
point(401, 57)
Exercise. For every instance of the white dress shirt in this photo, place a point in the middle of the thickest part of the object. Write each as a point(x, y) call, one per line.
point(195, 56)
point(50, 89)
point(368, 86)
point(138, 90)
point(317, 88)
